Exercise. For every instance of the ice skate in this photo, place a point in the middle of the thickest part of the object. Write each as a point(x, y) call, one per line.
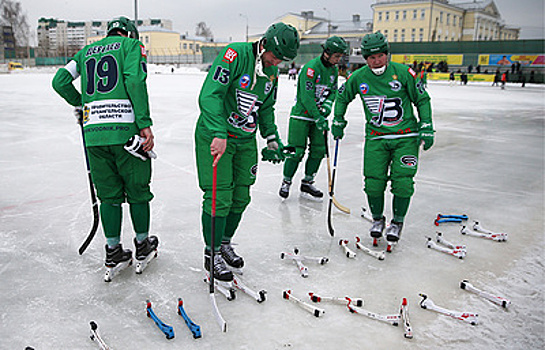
point(285, 189)
point(117, 259)
point(234, 262)
point(393, 232)
point(378, 227)
point(310, 191)
point(221, 272)
point(145, 252)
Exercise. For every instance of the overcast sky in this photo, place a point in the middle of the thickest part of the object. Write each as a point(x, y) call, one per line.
point(227, 21)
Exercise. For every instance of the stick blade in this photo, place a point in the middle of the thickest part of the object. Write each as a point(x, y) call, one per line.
point(340, 206)
point(219, 318)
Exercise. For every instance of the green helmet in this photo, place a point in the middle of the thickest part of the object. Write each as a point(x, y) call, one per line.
point(374, 43)
point(335, 44)
point(124, 24)
point(282, 40)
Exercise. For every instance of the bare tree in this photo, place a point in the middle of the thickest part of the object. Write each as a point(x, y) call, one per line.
point(203, 30)
point(12, 15)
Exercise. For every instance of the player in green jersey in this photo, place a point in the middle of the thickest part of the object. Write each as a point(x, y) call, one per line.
point(236, 99)
point(393, 134)
point(316, 92)
point(115, 107)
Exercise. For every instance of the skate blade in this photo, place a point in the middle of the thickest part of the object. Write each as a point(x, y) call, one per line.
point(111, 272)
point(236, 270)
point(311, 197)
point(142, 264)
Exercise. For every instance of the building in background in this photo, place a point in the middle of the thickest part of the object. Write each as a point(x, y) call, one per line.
point(315, 30)
point(65, 38)
point(440, 20)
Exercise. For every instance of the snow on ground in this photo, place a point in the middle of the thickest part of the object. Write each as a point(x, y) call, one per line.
point(488, 163)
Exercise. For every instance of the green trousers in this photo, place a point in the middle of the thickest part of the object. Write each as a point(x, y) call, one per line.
point(394, 160)
point(236, 172)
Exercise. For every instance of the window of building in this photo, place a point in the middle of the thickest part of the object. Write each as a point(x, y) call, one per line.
point(386, 34)
point(454, 20)
point(191, 46)
point(421, 35)
point(197, 47)
point(423, 14)
point(147, 39)
point(387, 16)
point(185, 46)
point(380, 16)
point(397, 16)
point(448, 18)
point(439, 38)
point(415, 14)
point(395, 35)
point(441, 16)
point(402, 35)
point(404, 15)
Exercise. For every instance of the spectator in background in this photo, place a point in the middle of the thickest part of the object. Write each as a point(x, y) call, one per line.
point(496, 78)
point(503, 80)
point(478, 69)
point(451, 79)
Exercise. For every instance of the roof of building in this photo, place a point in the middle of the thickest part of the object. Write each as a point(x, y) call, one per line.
point(142, 29)
point(339, 27)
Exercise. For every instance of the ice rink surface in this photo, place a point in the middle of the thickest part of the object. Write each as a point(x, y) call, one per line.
point(487, 162)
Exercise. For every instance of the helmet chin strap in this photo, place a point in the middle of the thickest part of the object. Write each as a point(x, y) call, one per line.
point(379, 71)
point(258, 71)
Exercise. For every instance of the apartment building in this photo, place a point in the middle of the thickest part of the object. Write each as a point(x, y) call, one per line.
point(65, 38)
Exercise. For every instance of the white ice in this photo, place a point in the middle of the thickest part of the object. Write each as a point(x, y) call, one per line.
point(487, 162)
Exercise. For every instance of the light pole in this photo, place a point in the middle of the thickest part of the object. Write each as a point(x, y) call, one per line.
point(136, 14)
point(244, 16)
point(328, 22)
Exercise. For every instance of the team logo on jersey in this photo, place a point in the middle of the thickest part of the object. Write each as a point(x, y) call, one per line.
point(318, 78)
point(253, 170)
point(395, 85)
point(229, 55)
point(386, 111)
point(143, 51)
point(321, 93)
point(310, 73)
point(248, 105)
point(268, 87)
point(364, 88)
point(244, 81)
point(86, 111)
point(412, 72)
point(420, 86)
point(409, 161)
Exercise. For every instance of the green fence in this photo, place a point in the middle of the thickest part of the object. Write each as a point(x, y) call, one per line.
point(52, 61)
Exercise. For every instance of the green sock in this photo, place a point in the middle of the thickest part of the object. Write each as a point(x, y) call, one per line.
point(140, 216)
point(400, 206)
point(110, 216)
point(376, 204)
point(290, 167)
point(231, 225)
point(311, 168)
point(207, 230)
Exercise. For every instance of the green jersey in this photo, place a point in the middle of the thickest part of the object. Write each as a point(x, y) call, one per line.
point(234, 100)
point(113, 95)
point(316, 90)
point(388, 101)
